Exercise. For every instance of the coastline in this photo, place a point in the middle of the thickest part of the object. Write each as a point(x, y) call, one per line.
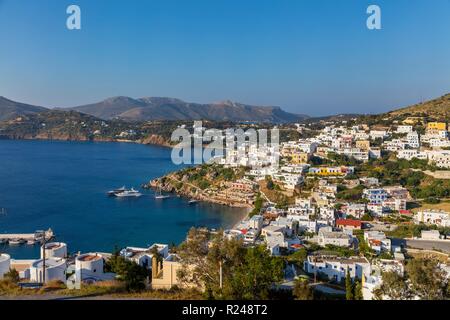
point(141, 141)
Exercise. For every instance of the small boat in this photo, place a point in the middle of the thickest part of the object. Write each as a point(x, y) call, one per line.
point(193, 201)
point(129, 193)
point(16, 241)
point(114, 192)
point(31, 242)
point(161, 196)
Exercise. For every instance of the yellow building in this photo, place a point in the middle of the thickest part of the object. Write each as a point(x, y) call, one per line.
point(363, 144)
point(438, 126)
point(166, 277)
point(299, 157)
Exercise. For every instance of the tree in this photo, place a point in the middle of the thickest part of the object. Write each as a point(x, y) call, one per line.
point(427, 279)
point(12, 275)
point(393, 286)
point(348, 287)
point(298, 257)
point(302, 291)
point(247, 273)
point(253, 278)
point(258, 205)
point(358, 291)
point(132, 274)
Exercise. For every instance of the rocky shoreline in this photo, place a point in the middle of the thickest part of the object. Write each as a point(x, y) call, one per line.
point(151, 140)
point(170, 184)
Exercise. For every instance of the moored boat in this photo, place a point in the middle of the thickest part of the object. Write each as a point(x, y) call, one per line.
point(16, 241)
point(128, 193)
point(161, 196)
point(114, 192)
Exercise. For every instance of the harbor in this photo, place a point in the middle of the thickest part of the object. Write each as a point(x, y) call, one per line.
point(26, 238)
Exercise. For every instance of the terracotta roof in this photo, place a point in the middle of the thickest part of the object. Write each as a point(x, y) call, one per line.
point(348, 222)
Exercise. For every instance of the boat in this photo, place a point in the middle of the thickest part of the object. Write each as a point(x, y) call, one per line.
point(31, 242)
point(193, 201)
point(128, 193)
point(161, 196)
point(16, 241)
point(114, 192)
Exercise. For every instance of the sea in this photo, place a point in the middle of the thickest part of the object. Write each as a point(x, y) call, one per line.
point(63, 185)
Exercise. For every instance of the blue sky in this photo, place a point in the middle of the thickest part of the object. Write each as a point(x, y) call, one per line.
point(307, 56)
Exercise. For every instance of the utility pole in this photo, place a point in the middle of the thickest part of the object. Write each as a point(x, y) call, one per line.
point(43, 259)
point(220, 275)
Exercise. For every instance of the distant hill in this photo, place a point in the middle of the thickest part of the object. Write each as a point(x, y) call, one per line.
point(157, 108)
point(437, 108)
point(11, 109)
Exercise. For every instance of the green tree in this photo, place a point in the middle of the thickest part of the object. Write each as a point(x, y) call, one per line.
point(348, 287)
point(252, 279)
point(133, 275)
point(358, 291)
point(427, 279)
point(302, 291)
point(247, 273)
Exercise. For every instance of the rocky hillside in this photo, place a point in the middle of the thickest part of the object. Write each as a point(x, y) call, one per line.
point(439, 108)
point(156, 108)
point(11, 109)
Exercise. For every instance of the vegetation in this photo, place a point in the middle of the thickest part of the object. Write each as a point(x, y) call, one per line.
point(133, 275)
point(349, 293)
point(423, 279)
point(247, 273)
point(302, 291)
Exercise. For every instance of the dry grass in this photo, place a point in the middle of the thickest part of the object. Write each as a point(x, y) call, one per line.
point(438, 206)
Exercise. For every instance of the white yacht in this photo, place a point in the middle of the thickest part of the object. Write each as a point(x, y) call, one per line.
point(114, 192)
point(128, 193)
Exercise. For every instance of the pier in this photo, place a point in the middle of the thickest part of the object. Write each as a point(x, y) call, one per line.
point(36, 236)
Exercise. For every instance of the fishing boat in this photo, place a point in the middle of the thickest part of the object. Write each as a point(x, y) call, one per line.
point(114, 192)
point(31, 242)
point(161, 196)
point(129, 194)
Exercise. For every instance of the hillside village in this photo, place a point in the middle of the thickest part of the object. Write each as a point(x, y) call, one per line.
point(356, 189)
point(355, 208)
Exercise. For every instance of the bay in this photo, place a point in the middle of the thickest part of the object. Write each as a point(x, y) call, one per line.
point(62, 185)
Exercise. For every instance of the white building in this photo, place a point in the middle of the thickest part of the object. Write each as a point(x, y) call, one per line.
point(377, 241)
point(335, 267)
point(143, 256)
point(54, 250)
point(335, 238)
point(437, 217)
point(412, 140)
point(375, 195)
point(55, 269)
point(404, 129)
point(430, 235)
point(5, 263)
point(88, 269)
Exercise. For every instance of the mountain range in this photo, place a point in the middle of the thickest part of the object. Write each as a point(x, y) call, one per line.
point(10, 109)
point(157, 108)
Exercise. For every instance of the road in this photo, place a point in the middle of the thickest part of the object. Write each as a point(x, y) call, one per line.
point(424, 244)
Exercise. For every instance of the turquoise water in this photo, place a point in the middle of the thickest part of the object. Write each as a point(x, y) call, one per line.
point(63, 185)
